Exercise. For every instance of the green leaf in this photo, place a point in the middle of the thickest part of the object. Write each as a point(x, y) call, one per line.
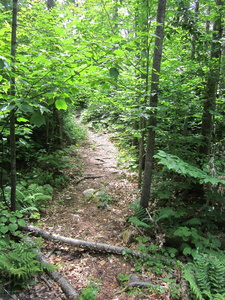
point(182, 231)
point(216, 242)
point(119, 52)
point(113, 72)
point(144, 54)
point(37, 119)
point(3, 219)
point(12, 219)
point(25, 107)
point(13, 227)
point(61, 104)
point(21, 223)
point(138, 222)
point(20, 119)
point(4, 229)
point(187, 250)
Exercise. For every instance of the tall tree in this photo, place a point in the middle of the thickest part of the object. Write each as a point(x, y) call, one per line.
point(152, 122)
point(212, 82)
point(12, 113)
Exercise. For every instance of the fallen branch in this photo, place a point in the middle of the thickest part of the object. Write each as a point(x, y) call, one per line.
point(57, 277)
point(92, 246)
point(82, 244)
point(89, 177)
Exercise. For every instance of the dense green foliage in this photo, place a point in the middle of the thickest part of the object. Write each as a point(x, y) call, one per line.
point(95, 58)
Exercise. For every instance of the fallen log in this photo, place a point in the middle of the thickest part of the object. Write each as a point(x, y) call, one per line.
point(57, 277)
point(92, 246)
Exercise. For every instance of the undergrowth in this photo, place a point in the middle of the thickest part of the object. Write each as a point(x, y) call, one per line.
point(18, 262)
point(206, 277)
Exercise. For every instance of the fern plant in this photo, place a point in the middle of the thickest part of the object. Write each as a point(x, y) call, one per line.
point(206, 277)
point(18, 262)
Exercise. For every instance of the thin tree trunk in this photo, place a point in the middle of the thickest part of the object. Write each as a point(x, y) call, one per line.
point(193, 38)
point(50, 4)
point(144, 24)
point(145, 195)
point(211, 86)
point(12, 113)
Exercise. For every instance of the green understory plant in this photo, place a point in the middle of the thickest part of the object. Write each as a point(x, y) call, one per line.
point(10, 224)
point(30, 197)
point(18, 263)
point(206, 277)
point(91, 292)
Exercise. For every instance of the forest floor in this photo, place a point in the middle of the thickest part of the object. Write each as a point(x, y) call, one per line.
point(102, 219)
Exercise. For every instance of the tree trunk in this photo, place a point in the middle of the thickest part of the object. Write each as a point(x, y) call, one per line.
point(211, 85)
point(50, 4)
point(142, 23)
point(12, 113)
point(145, 195)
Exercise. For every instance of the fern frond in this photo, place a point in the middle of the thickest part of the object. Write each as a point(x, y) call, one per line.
point(202, 273)
point(140, 212)
point(20, 262)
point(206, 277)
point(139, 223)
point(217, 276)
point(189, 276)
point(219, 297)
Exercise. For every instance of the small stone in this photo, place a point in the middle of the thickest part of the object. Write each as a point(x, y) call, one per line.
point(99, 193)
point(88, 194)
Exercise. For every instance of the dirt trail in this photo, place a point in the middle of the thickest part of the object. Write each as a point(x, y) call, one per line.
point(100, 220)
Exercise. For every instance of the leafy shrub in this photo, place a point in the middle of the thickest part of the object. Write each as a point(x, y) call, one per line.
point(32, 196)
point(176, 164)
point(179, 230)
point(10, 223)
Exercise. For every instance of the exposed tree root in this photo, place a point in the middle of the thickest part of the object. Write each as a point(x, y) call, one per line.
point(135, 282)
point(62, 281)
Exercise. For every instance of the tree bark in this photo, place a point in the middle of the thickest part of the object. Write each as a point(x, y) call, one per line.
point(212, 85)
point(92, 246)
point(145, 195)
point(142, 24)
point(12, 113)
